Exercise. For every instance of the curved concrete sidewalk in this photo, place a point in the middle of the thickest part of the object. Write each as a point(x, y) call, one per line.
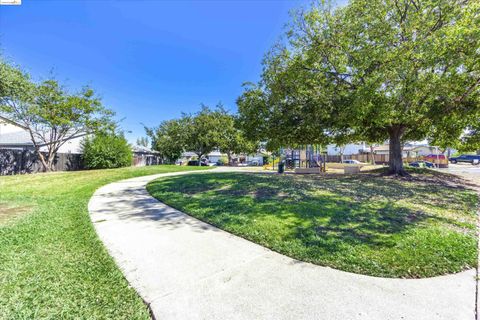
point(187, 269)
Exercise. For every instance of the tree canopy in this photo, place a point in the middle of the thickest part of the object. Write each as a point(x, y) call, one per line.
point(106, 150)
point(169, 138)
point(201, 132)
point(370, 71)
point(51, 114)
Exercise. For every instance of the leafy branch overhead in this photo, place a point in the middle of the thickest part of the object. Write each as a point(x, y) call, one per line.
point(372, 70)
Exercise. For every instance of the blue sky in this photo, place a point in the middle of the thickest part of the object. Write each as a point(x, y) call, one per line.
point(148, 60)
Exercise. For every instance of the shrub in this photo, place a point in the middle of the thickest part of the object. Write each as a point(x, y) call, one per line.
point(104, 151)
point(222, 161)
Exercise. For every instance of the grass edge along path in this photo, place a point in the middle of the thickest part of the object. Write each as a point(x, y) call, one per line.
point(52, 263)
point(369, 224)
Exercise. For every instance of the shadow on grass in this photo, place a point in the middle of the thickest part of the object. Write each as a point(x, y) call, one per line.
point(326, 212)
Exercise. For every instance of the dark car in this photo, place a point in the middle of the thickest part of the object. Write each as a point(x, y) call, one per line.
point(418, 164)
point(473, 159)
point(195, 163)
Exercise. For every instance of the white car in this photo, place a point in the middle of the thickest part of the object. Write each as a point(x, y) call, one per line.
point(349, 161)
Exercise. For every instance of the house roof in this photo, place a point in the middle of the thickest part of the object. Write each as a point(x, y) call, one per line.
point(216, 154)
point(15, 138)
point(386, 147)
point(19, 138)
point(12, 122)
point(189, 154)
point(142, 149)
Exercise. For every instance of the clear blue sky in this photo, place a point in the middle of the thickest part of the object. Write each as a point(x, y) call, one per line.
point(148, 60)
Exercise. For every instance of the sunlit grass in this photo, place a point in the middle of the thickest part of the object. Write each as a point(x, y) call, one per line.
point(52, 264)
point(368, 223)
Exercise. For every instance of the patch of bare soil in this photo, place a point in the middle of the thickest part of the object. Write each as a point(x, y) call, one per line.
point(439, 178)
point(8, 213)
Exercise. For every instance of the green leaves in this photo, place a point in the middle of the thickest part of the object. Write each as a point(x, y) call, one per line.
point(169, 138)
point(201, 133)
point(356, 71)
point(106, 151)
point(51, 113)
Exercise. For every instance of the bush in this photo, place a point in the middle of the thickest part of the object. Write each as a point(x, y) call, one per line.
point(222, 161)
point(105, 151)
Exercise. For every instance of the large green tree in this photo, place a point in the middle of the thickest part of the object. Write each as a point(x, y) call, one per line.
point(372, 70)
point(51, 114)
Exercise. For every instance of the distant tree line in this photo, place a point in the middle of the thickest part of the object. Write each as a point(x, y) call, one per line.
point(201, 133)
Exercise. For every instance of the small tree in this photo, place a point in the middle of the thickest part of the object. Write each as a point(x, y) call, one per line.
point(50, 114)
point(204, 130)
point(106, 151)
point(169, 138)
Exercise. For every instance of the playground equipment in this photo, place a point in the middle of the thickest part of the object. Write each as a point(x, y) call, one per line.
point(306, 159)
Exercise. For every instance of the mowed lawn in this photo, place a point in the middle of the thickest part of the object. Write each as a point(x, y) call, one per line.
point(367, 223)
point(52, 264)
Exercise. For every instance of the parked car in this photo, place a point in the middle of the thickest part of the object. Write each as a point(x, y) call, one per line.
point(473, 159)
point(422, 164)
point(195, 163)
point(350, 161)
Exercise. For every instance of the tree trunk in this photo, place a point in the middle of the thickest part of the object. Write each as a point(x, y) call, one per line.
point(50, 162)
point(395, 160)
point(229, 156)
point(46, 166)
point(372, 154)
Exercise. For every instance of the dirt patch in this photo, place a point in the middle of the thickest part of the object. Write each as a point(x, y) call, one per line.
point(267, 193)
point(8, 213)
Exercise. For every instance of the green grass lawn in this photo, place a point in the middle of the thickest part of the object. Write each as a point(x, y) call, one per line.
point(367, 223)
point(52, 264)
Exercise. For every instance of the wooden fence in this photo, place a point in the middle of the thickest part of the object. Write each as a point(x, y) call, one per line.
point(14, 161)
point(379, 158)
point(383, 159)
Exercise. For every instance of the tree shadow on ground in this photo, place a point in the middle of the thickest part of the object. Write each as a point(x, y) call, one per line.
point(326, 212)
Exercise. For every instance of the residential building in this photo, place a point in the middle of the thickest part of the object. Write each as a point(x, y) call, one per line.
point(15, 136)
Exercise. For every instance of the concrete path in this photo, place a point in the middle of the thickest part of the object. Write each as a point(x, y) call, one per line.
point(187, 269)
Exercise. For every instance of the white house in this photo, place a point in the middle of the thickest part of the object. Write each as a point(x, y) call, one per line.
point(16, 136)
point(351, 148)
point(13, 135)
point(214, 156)
point(424, 150)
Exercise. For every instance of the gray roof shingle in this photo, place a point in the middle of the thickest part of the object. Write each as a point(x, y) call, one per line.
point(15, 138)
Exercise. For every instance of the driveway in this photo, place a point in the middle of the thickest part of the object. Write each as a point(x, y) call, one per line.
point(186, 269)
point(465, 170)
